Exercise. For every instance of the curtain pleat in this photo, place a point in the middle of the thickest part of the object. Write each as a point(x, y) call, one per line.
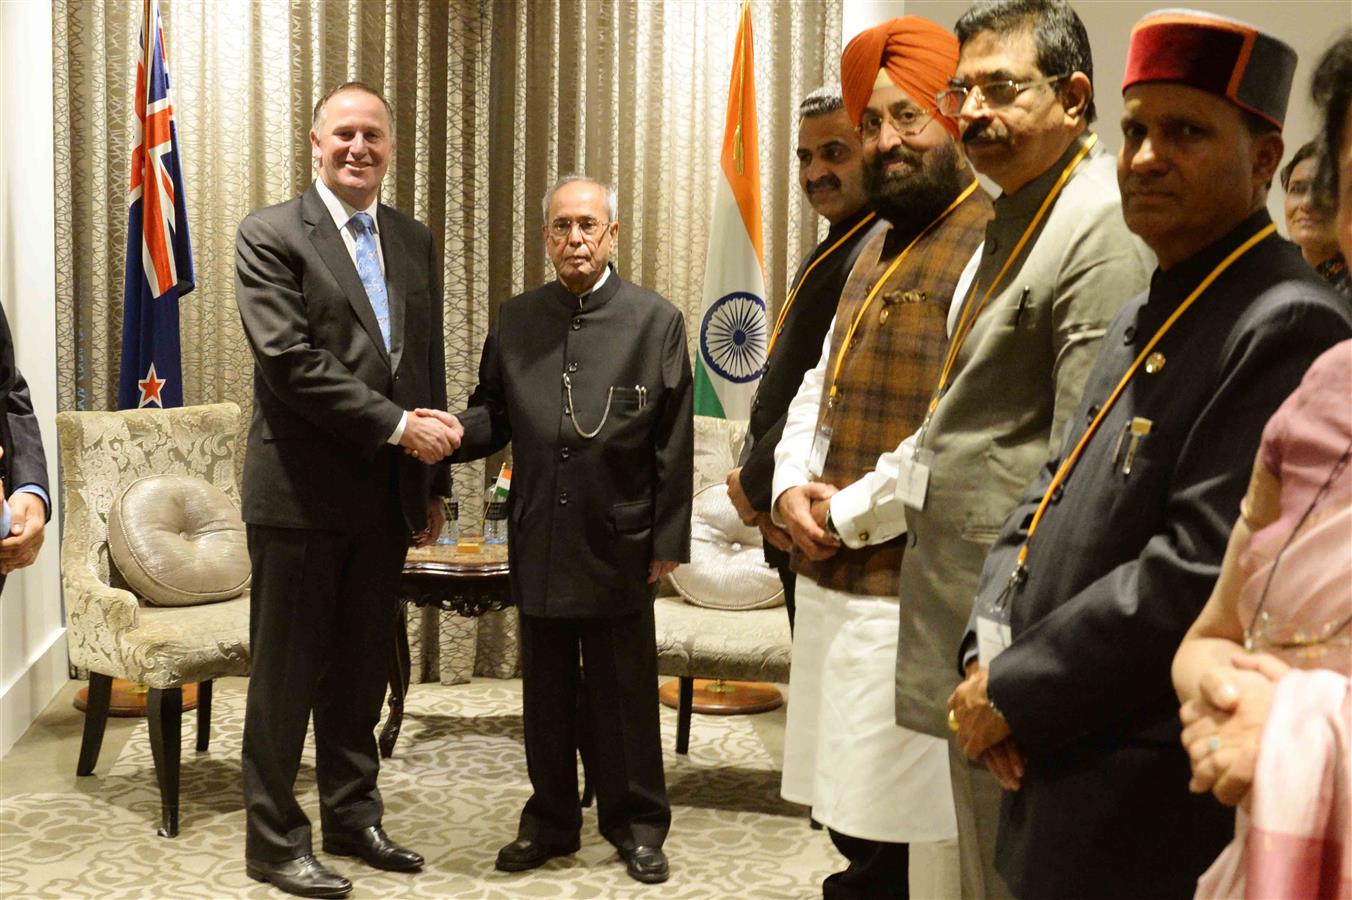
point(493, 100)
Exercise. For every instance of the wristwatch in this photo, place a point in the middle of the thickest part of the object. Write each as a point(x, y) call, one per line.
point(831, 525)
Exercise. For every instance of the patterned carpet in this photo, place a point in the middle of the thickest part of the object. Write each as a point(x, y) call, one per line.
point(453, 791)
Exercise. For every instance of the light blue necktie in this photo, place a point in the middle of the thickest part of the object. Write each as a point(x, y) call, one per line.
point(368, 267)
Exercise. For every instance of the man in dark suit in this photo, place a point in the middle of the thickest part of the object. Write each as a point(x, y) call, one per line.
point(831, 173)
point(341, 302)
point(23, 467)
point(589, 378)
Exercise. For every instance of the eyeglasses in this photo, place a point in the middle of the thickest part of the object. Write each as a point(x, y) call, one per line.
point(562, 229)
point(905, 122)
point(993, 94)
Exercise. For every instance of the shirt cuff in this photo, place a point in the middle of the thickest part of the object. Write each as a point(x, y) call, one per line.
point(398, 430)
point(35, 489)
point(863, 519)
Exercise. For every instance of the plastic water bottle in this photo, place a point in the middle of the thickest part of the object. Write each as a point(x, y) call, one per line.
point(450, 532)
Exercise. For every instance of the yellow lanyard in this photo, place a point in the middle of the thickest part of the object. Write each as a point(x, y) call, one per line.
point(793, 294)
point(868, 301)
point(966, 323)
point(1064, 471)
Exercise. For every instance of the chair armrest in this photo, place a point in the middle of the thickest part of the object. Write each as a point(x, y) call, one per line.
point(96, 615)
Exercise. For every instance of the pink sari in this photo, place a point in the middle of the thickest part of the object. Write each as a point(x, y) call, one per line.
point(1293, 834)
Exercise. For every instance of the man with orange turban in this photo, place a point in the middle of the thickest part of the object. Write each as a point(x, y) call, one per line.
point(878, 787)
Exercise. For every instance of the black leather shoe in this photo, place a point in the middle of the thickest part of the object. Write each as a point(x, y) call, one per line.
point(304, 876)
point(524, 853)
point(646, 864)
point(375, 848)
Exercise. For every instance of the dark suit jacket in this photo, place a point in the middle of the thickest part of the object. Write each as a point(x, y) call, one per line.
point(24, 461)
point(327, 395)
point(1123, 562)
point(797, 350)
point(588, 515)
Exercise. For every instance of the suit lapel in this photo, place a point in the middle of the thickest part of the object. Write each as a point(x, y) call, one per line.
point(396, 281)
point(329, 244)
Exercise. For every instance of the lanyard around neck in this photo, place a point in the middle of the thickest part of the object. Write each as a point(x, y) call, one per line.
point(868, 301)
point(966, 322)
point(1064, 471)
point(793, 294)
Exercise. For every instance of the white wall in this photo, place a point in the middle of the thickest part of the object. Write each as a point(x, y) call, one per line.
point(1309, 26)
point(32, 636)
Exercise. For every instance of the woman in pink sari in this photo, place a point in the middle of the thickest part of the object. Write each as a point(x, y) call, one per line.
point(1263, 674)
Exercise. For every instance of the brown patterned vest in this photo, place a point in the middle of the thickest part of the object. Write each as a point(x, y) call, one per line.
point(889, 373)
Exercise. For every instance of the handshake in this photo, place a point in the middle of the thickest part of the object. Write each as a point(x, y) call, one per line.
point(431, 435)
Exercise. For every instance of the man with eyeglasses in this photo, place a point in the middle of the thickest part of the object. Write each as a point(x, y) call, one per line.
point(830, 173)
point(877, 787)
point(1113, 549)
point(1025, 326)
point(589, 379)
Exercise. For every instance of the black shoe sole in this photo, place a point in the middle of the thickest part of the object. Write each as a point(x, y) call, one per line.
point(647, 877)
point(257, 875)
point(340, 850)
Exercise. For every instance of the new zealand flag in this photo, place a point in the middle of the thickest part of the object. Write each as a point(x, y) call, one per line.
point(159, 252)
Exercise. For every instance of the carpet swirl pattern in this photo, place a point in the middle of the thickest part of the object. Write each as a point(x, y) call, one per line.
point(452, 791)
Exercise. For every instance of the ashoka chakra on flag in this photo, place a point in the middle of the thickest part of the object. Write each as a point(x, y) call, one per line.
point(733, 335)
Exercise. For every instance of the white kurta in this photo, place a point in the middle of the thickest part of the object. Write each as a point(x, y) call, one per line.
point(844, 755)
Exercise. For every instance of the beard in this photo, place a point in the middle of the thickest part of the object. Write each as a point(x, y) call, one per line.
point(914, 198)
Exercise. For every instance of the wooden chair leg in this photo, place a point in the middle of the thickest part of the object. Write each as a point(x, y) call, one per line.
point(683, 710)
point(164, 708)
point(203, 715)
point(96, 717)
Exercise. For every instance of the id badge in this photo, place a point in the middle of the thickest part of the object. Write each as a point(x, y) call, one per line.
point(913, 475)
point(993, 637)
point(821, 443)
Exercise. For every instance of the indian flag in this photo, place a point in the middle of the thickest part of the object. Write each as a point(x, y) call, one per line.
point(733, 331)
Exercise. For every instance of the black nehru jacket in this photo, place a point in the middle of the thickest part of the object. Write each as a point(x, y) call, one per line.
point(797, 350)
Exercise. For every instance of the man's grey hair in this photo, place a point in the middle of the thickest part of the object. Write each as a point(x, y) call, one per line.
point(612, 197)
point(825, 99)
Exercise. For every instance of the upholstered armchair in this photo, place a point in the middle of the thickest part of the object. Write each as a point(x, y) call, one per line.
point(726, 621)
point(111, 630)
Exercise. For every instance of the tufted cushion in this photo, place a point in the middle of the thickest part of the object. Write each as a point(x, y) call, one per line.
point(178, 541)
point(727, 567)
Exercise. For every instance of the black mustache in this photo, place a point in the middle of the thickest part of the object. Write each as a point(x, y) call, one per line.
point(827, 181)
point(898, 154)
point(978, 131)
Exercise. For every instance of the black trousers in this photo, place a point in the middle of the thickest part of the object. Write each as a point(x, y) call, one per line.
point(592, 683)
point(789, 579)
point(877, 871)
point(322, 614)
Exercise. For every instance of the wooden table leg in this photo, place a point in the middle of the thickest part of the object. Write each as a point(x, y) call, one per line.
point(399, 679)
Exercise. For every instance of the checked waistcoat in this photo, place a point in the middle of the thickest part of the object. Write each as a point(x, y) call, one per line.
point(889, 372)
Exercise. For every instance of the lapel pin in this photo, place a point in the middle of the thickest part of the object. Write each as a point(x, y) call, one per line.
point(1154, 362)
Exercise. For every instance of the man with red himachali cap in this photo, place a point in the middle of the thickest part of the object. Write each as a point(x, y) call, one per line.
point(1056, 265)
point(877, 786)
point(1113, 551)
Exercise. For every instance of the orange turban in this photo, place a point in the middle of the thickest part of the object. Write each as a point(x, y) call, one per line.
point(918, 55)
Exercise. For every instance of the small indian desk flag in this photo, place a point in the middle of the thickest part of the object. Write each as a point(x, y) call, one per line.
point(733, 330)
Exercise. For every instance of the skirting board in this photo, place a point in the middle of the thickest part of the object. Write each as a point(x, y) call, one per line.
point(30, 693)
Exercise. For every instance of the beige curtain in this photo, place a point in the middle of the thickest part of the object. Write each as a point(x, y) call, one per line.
point(493, 99)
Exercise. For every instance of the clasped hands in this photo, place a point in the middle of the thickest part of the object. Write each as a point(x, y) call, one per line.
point(1223, 728)
point(804, 510)
point(982, 733)
point(431, 435)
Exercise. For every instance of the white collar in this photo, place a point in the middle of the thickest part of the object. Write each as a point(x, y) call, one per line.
point(342, 212)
